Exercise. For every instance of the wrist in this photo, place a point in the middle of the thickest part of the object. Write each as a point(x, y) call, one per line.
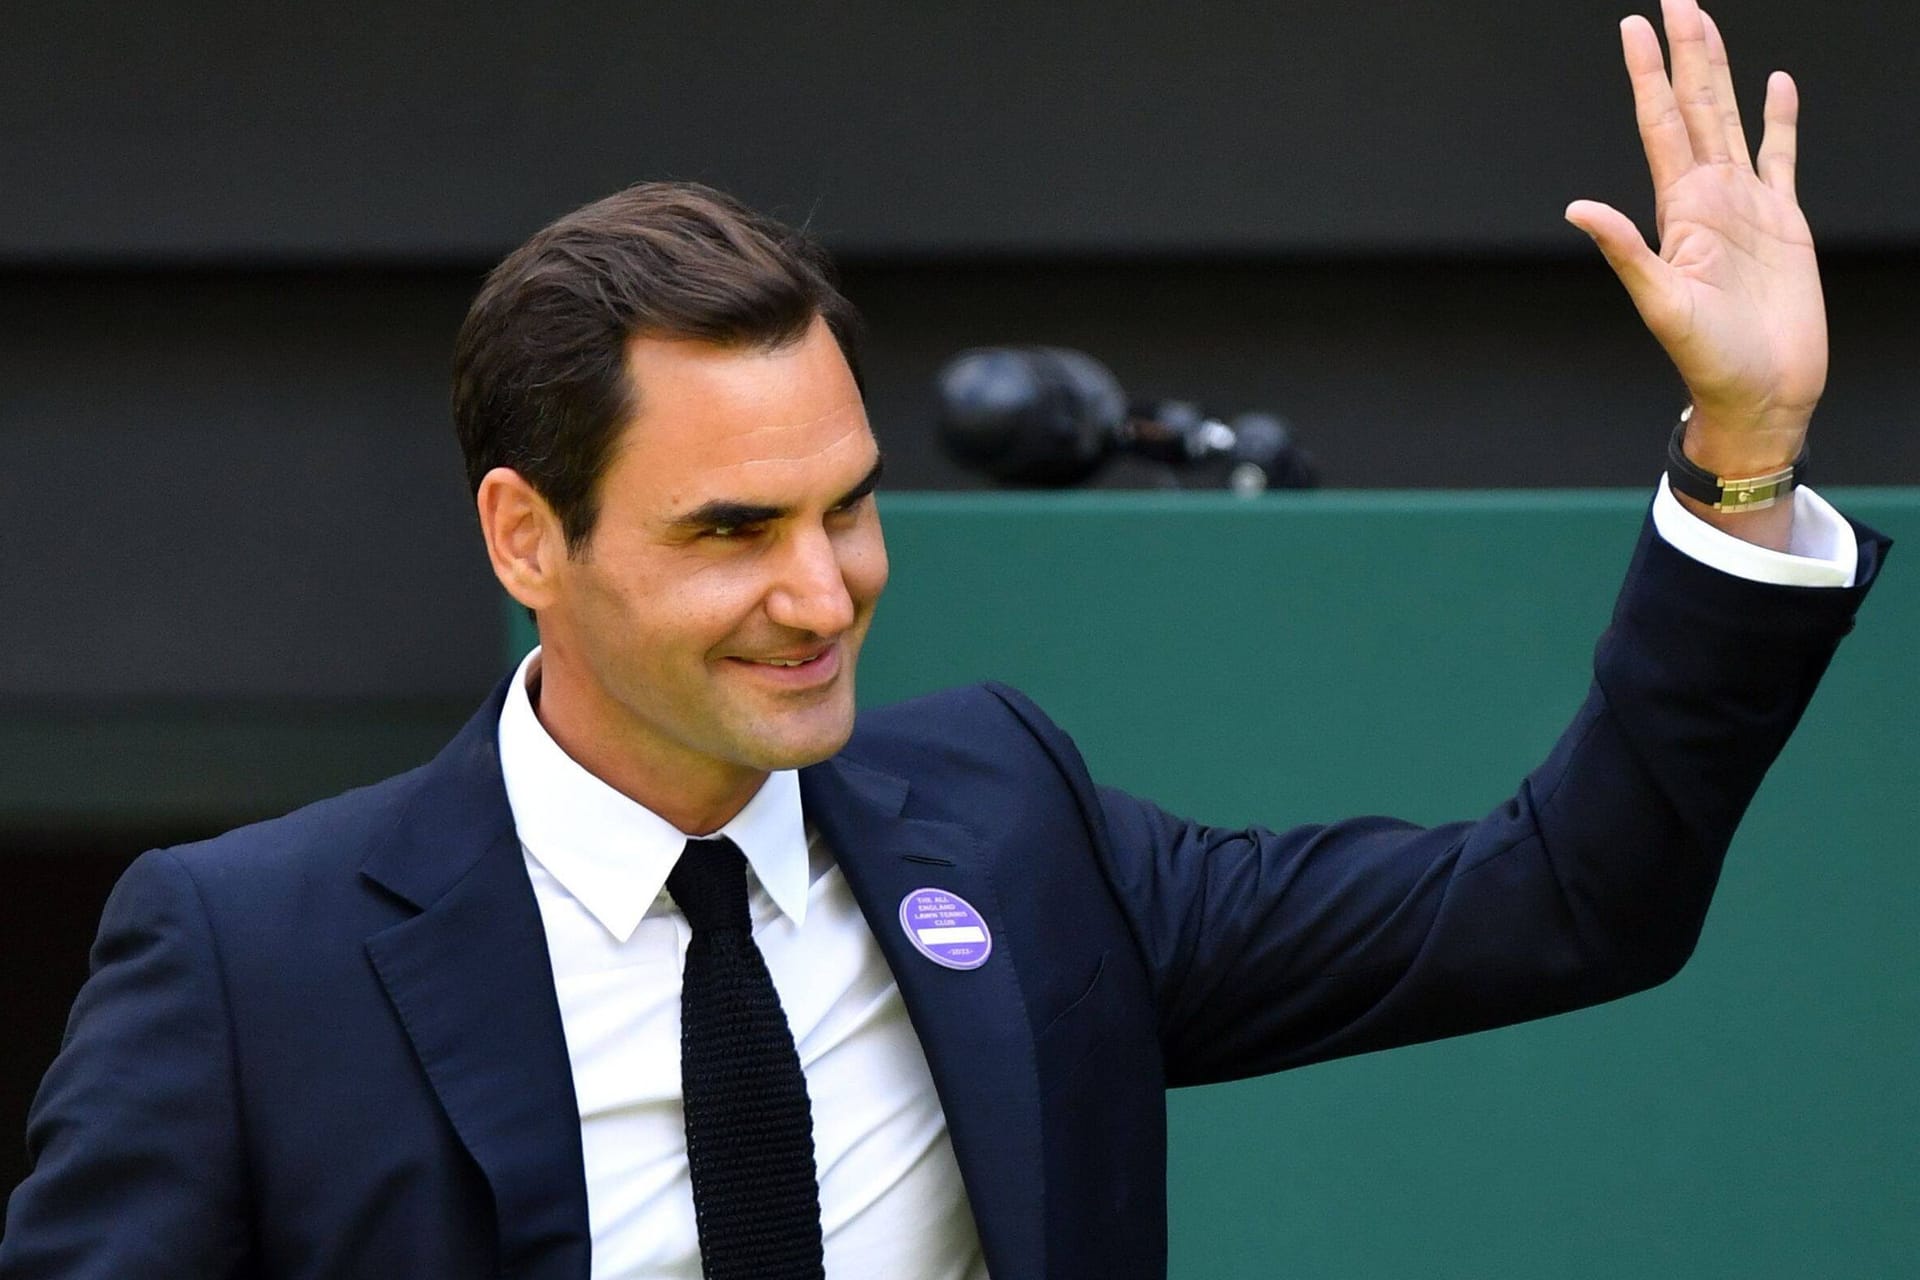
point(1735, 445)
point(1740, 482)
point(1772, 528)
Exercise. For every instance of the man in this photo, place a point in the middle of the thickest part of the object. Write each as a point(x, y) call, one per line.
point(463, 1022)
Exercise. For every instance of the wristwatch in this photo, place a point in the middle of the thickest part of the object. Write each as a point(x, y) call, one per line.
point(1728, 493)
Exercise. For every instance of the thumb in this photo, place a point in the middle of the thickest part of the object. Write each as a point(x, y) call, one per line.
point(1640, 269)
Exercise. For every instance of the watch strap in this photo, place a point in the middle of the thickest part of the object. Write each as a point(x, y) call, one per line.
point(1728, 493)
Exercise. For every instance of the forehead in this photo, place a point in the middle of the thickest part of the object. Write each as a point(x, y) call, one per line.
point(741, 422)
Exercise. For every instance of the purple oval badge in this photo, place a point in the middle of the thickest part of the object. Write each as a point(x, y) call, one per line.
point(945, 928)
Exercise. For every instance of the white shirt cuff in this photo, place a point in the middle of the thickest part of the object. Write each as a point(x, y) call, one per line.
point(1823, 552)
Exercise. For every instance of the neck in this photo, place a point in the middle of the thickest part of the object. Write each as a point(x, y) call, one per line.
point(698, 796)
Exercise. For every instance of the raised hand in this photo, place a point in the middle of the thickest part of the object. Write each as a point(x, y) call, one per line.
point(1734, 292)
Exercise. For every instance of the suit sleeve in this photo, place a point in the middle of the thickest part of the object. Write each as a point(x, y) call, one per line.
point(134, 1136)
point(1275, 949)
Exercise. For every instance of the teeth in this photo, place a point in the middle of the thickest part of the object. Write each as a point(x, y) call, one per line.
point(788, 662)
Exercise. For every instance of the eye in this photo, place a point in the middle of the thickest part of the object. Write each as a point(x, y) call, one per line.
point(731, 531)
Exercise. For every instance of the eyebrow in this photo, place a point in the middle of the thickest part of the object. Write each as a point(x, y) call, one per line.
point(725, 512)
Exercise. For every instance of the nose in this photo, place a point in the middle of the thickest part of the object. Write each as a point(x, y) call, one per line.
point(810, 592)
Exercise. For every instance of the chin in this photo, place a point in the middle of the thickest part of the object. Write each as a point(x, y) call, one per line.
point(803, 747)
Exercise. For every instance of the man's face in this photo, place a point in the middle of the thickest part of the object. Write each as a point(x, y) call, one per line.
point(736, 530)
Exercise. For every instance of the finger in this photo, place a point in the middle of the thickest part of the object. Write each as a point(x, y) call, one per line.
point(1693, 81)
point(1779, 145)
point(1723, 89)
point(1640, 269)
point(1663, 134)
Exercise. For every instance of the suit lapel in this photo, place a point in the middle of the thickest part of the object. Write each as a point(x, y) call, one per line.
point(973, 1024)
point(471, 981)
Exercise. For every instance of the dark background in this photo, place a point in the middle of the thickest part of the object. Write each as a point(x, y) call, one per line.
point(235, 242)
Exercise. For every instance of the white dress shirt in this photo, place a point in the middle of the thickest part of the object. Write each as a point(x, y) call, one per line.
point(1823, 552)
point(891, 1200)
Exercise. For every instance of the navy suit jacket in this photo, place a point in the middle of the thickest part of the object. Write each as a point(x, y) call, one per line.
point(329, 1045)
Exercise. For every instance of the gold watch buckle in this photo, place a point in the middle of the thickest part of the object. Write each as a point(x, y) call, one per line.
point(1754, 493)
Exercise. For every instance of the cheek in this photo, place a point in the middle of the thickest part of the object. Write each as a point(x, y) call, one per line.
point(662, 618)
point(717, 609)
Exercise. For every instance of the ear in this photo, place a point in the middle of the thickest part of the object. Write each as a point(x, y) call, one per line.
point(524, 538)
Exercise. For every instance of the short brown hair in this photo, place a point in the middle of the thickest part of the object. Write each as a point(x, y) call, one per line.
point(539, 369)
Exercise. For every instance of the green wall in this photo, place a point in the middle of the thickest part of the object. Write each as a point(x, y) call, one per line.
point(1308, 657)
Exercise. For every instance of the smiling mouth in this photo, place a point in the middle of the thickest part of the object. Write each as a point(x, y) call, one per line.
point(797, 668)
point(790, 660)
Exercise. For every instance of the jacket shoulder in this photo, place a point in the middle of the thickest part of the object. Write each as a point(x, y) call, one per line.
point(987, 733)
point(323, 838)
point(984, 715)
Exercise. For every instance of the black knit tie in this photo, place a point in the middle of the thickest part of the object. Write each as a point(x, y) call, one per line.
point(749, 1128)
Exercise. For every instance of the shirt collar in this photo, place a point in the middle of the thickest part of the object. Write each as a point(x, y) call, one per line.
point(612, 853)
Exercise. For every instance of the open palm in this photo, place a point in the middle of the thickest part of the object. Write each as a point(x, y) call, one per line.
point(1734, 292)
